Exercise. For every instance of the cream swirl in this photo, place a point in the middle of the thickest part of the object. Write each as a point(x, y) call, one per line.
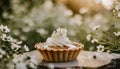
point(59, 38)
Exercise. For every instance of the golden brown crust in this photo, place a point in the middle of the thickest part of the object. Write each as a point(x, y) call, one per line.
point(59, 55)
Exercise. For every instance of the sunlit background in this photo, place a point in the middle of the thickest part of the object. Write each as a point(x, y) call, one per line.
point(94, 23)
point(33, 21)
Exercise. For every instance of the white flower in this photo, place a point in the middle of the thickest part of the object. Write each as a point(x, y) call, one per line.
point(4, 37)
point(88, 37)
point(4, 29)
point(26, 48)
point(94, 40)
point(19, 42)
point(96, 27)
point(116, 33)
point(59, 32)
point(10, 39)
point(15, 41)
point(100, 48)
point(15, 46)
point(1, 27)
point(21, 66)
point(2, 52)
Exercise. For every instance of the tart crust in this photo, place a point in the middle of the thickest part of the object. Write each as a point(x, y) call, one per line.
point(58, 54)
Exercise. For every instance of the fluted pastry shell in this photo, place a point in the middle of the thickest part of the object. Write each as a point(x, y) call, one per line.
point(58, 55)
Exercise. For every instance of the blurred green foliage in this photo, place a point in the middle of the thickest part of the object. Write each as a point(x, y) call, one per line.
point(34, 21)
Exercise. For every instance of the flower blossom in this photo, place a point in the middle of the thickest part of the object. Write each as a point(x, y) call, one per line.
point(88, 37)
point(94, 40)
point(96, 27)
point(2, 52)
point(4, 37)
point(4, 29)
point(100, 48)
point(116, 33)
point(26, 48)
point(15, 46)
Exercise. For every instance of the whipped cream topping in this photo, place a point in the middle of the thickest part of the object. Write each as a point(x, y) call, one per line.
point(72, 46)
point(59, 38)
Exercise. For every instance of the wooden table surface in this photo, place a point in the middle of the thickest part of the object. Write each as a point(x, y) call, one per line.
point(84, 59)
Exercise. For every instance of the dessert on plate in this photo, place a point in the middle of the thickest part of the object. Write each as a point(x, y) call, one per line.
point(58, 47)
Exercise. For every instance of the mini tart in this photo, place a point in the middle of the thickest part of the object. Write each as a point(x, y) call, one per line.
point(56, 54)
